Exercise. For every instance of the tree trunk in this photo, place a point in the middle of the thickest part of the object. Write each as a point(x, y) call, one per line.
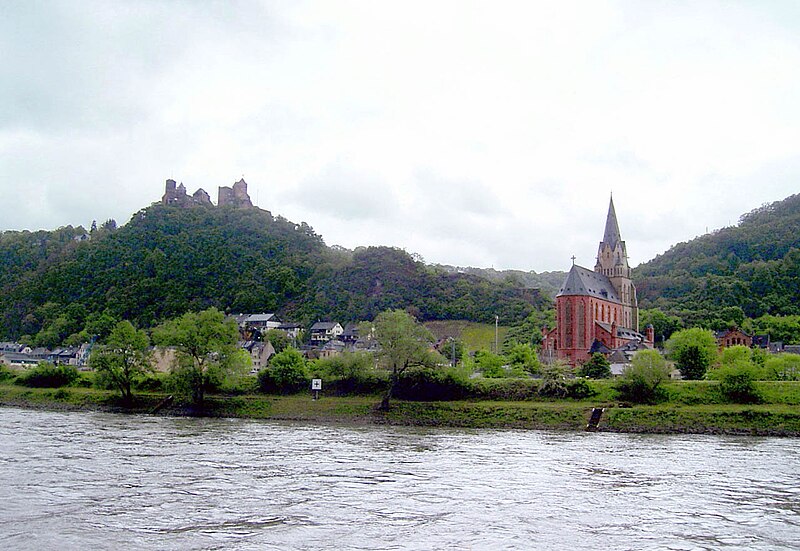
point(384, 406)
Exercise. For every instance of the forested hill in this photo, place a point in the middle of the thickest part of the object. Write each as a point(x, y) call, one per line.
point(750, 269)
point(69, 284)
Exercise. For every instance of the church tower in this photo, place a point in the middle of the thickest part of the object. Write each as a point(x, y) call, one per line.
point(612, 262)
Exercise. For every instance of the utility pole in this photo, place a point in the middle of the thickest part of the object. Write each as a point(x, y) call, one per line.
point(496, 348)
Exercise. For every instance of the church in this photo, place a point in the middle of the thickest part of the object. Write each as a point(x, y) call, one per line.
point(597, 310)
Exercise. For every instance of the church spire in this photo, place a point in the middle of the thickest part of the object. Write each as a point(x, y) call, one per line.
point(611, 235)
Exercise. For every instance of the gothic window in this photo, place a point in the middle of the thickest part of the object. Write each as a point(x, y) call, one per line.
point(568, 325)
point(581, 337)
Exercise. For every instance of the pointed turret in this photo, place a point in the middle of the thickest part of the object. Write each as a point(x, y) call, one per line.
point(611, 235)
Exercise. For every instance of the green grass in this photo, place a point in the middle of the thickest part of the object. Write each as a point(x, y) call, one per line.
point(475, 336)
point(779, 418)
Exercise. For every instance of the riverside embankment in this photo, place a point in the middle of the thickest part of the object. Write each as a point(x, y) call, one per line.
point(775, 419)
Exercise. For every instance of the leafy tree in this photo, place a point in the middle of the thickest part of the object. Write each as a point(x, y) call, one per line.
point(346, 365)
point(642, 381)
point(404, 343)
point(663, 325)
point(123, 359)
point(279, 339)
point(286, 372)
point(783, 367)
point(491, 365)
point(737, 382)
point(47, 375)
point(206, 350)
point(596, 367)
point(693, 351)
point(554, 379)
point(522, 359)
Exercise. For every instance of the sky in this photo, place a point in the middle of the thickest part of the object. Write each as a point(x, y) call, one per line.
point(485, 134)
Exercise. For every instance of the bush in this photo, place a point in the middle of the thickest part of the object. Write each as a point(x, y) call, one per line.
point(5, 373)
point(737, 383)
point(285, 375)
point(641, 382)
point(596, 367)
point(579, 389)
point(365, 384)
point(430, 385)
point(505, 389)
point(47, 375)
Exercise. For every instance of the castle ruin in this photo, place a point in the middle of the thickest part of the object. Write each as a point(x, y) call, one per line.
point(236, 196)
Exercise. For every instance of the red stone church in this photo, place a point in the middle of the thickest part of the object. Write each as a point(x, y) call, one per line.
point(597, 310)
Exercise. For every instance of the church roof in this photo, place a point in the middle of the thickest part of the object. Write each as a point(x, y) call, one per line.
point(622, 332)
point(611, 235)
point(585, 282)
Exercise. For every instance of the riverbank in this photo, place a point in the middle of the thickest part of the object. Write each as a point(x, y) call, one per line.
point(760, 419)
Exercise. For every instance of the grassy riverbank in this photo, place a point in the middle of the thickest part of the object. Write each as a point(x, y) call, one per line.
point(762, 419)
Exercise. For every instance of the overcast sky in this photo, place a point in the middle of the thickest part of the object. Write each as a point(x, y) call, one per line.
point(472, 133)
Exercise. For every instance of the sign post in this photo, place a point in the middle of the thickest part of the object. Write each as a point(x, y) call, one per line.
point(316, 386)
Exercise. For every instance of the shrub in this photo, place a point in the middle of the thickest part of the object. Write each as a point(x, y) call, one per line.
point(580, 389)
point(737, 383)
point(364, 384)
point(47, 375)
point(286, 373)
point(428, 384)
point(504, 389)
point(5, 373)
point(596, 367)
point(642, 381)
point(554, 380)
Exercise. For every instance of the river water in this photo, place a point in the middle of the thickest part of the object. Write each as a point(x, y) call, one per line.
point(104, 481)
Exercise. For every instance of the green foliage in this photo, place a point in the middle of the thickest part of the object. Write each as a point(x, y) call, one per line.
point(642, 381)
point(346, 365)
point(717, 279)
point(663, 325)
point(279, 340)
point(207, 352)
point(693, 351)
point(5, 373)
point(168, 260)
point(47, 375)
point(430, 384)
point(491, 365)
point(529, 331)
point(737, 382)
point(596, 367)
point(285, 374)
point(123, 359)
point(780, 328)
point(783, 367)
point(523, 360)
point(554, 379)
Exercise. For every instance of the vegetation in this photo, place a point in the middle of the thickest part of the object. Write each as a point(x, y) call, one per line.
point(57, 288)
point(403, 344)
point(596, 367)
point(720, 279)
point(642, 382)
point(206, 344)
point(693, 351)
point(286, 373)
point(47, 375)
point(123, 359)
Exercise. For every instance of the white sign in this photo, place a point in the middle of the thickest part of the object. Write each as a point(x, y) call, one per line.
point(316, 384)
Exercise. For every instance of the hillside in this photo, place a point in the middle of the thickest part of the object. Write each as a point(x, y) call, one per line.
point(548, 283)
point(171, 259)
point(750, 269)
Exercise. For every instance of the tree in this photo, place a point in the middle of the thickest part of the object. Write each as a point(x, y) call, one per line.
point(693, 350)
point(491, 365)
point(206, 350)
point(403, 343)
point(641, 381)
point(286, 372)
point(123, 358)
point(278, 339)
point(522, 358)
point(596, 367)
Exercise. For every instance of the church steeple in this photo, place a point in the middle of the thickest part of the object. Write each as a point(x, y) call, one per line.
point(611, 235)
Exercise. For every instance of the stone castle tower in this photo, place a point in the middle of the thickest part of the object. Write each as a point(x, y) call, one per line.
point(175, 195)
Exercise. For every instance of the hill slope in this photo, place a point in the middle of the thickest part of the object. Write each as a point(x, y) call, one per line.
point(168, 260)
point(750, 269)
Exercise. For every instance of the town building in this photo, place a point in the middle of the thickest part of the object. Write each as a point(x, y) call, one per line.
point(597, 310)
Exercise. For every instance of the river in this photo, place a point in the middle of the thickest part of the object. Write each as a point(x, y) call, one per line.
point(73, 480)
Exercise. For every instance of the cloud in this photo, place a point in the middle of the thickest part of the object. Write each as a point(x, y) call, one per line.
point(470, 133)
